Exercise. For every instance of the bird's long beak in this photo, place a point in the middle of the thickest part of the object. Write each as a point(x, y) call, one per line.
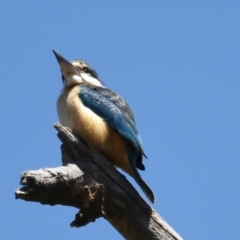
point(66, 67)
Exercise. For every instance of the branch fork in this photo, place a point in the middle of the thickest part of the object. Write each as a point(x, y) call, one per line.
point(90, 183)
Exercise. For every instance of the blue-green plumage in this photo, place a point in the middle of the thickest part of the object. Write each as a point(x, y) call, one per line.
point(116, 112)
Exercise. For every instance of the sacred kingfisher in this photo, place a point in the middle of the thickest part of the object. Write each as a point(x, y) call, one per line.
point(101, 118)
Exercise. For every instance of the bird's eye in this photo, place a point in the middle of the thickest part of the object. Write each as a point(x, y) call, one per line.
point(86, 70)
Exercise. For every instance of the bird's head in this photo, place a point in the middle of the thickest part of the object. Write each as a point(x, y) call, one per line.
point(77, 72)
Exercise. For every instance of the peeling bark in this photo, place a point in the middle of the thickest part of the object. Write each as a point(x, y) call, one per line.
point(89, 182)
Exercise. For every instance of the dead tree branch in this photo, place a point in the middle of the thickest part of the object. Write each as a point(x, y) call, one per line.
point(89, 182)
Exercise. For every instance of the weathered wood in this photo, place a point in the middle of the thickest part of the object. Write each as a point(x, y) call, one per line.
point(89, 182)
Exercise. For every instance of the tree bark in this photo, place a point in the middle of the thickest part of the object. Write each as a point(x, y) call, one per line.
point(89, 182)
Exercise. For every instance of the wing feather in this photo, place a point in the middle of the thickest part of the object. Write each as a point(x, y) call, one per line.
point(114, 110)
point(117, 113)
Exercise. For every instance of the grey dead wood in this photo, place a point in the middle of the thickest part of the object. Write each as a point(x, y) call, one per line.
point(89, 182)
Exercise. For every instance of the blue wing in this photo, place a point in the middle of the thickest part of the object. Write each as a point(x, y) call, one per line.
point(117, 113)
point(120, 103)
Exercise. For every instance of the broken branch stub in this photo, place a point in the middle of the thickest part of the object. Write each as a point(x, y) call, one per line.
point(89, 182)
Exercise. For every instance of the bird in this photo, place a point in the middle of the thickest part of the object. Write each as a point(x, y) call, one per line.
point(101, 118)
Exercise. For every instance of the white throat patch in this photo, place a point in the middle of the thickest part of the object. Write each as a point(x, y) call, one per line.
point(73, 79)
point(82, 78)
point(91, 80)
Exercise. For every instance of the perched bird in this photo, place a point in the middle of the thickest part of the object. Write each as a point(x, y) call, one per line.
point(101, 118)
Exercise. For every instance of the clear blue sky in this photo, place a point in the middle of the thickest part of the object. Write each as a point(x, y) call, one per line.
point(177, 63)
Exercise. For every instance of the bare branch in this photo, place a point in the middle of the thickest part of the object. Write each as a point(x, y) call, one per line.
point(89, 182)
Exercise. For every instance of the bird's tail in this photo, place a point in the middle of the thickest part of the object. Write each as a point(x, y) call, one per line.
point(146, 189)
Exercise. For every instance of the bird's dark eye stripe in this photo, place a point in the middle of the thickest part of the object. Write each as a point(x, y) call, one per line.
point(86, 70)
